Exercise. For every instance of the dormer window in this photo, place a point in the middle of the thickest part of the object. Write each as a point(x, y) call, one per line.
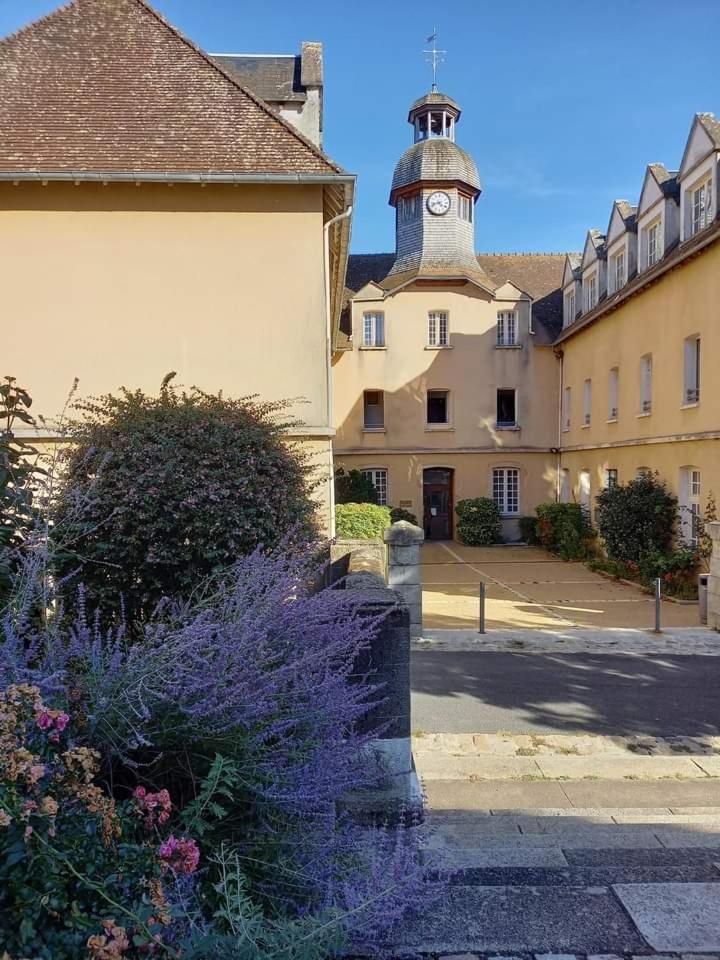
point(652, 242)
point(591, 295)
point(569, 307)
point(701, 207)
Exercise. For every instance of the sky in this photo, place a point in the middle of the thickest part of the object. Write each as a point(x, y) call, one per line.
point(564, 103)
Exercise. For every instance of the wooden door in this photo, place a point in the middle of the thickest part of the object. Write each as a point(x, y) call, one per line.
point(437, 503)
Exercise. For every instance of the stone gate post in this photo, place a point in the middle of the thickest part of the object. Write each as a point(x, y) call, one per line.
point(403, 541)
point(713, 529)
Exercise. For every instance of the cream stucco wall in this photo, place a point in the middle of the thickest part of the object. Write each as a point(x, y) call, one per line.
point(119, 284)
point(472, 369)
point(675, 435)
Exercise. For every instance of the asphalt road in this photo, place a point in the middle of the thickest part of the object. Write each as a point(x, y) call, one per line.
point(455, 692)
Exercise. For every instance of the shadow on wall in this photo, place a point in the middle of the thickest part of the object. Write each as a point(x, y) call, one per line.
point(592, 693)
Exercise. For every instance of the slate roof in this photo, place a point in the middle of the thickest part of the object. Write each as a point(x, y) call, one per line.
point(276, 79)
point(711, 125)
point(666, 179)
point(537, 274)
point(110, 86)
point(628, 212)
point(434, 97)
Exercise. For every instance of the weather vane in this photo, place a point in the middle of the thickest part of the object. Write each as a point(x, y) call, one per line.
point(434, 57)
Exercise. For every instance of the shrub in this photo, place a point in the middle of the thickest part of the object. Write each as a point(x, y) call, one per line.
point(354, 487)
point(677, 570)
point(398, 513)
point(563, 528)
point(528, 529)
point(245, 706)
point(160, 492)
point(361, 521)
point(637, 519)
point(478, 521)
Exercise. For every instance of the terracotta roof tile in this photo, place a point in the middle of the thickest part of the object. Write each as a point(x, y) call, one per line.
point(110, 86)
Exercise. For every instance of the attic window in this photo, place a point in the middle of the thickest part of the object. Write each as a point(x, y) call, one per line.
point(591, 292)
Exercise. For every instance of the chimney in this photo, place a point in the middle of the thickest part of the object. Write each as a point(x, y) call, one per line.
point(311, 78)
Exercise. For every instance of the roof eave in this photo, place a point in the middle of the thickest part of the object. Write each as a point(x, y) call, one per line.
point(169, 176)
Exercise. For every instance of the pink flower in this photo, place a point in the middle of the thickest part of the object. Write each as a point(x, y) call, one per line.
point(37, 772)
point(155, 806)
point(44, 720)
point(179, 855)
point(28, 832)
point(61, 721)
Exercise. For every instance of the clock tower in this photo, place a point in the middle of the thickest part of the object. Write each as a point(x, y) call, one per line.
point(434, 189)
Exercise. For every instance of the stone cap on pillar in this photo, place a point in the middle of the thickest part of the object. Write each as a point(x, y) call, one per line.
point(404, 534)
point(713, 529)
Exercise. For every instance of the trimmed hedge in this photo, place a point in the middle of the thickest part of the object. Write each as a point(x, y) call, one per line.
point(478, 521)
point(361, 521)
point(637, 519)
point(564, 529)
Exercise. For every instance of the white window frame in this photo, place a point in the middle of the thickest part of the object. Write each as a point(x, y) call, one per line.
point(507, 328)
point(587, 402)
point(700, 198)
point(570, 307)
point(373, 329)
point(465, 208)
point(619, 274)
point(381, 406)
point(438, 331)
point(505, 482)
point(691, 378)
point(611, 477)
point(378, 476)
point(690, 499)
point(652, 243)
point(613, 393)
point(646, 371)
point(567, 409)
point(591, 291)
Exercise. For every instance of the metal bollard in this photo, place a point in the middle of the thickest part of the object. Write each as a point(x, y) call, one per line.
point(481, 627)
point(658, 600)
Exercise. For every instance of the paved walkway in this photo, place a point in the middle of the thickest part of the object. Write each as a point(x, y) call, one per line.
point(529, 588)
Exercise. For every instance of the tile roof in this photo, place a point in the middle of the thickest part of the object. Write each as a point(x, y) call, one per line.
point(110, 86)
point(272, 78)
point(711, 125)
point(538, 274)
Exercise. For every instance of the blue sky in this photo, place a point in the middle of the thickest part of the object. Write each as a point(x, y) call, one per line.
point(563, 102)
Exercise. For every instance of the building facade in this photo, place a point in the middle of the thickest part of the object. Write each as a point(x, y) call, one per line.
point(445, 382)
point(149, 202)
point(641, 331)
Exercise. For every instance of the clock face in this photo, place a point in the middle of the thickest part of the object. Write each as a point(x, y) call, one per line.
point(438, 203)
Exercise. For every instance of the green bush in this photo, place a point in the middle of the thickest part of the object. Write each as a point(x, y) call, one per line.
point(354, 487)
point(677, 570)
point(637, 519)
point(528, 529)
point(564, 529)
point(398, 513)
point(478, 521)
point(161, 492)
point(361, 521)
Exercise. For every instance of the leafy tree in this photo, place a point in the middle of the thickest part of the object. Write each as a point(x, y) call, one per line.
point(162, 491)
point(18, 471)
point(354, 487)
point(637, 518)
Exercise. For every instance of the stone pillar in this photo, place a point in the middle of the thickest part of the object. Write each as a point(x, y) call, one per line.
point(713, 530)
point(403, 541)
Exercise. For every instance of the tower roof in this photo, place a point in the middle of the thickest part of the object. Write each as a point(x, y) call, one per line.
point(434, 99)
point(438, 159)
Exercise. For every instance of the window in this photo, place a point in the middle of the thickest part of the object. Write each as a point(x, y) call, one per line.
point(587, 402)
point(653, 246)
point(506, 328)
point(591, 292)
point(409, 208)
point(690, 517)
point(569, 307)
point(585, 499)
point(378, 478)
point(506, 489)
point(564, 486)
point(374, 410)
point(613, 386)
point(691, 392)
point(373, 329)
point(643, 472)
point(506, 414)
point(566, 407)
point(438, 406)
point(701, 207)
point(618, 270)
point(646, 383)
point(438, 329)
point(611, 477)
point(466, 208)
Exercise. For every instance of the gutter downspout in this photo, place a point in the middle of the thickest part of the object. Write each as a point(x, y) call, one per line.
point(560, 354)
point(328, 350)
